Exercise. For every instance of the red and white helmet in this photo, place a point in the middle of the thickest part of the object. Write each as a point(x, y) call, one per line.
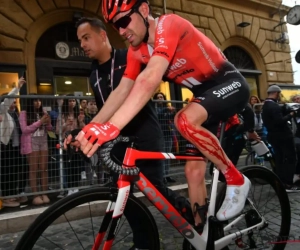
point(110, 8)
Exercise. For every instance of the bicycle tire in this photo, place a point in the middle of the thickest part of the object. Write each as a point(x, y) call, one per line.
point(45, 219)
point(266, 176)
point(253, 173)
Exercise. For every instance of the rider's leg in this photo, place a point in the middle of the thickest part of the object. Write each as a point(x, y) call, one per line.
point(190, 127)
point(195, 175)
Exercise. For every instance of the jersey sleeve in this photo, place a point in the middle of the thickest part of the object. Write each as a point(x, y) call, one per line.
point(167, 36)
point(133, 67)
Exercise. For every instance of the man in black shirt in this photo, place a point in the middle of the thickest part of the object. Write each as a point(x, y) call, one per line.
point(280, 137)
point(107, 70)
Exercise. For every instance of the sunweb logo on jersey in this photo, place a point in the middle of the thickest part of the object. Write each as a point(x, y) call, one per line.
point(160, 28)
point(178, 64)
point(228, 90)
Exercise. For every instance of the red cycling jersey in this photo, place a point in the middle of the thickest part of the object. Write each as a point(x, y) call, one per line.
point(193, 58)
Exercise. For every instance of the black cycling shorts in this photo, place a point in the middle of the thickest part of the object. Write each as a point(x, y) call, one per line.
point(223, 95)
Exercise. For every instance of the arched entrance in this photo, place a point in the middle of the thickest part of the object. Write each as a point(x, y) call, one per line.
point(245, 64)
point(46, 22)
point(61, 65)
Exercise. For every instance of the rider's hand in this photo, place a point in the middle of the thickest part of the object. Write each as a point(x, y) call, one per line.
point(94, 135)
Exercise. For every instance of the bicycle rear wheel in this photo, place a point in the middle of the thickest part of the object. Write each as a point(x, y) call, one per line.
point(60, 222)
point(271, 200)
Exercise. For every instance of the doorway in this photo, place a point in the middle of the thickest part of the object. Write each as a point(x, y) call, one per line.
point(76, 85)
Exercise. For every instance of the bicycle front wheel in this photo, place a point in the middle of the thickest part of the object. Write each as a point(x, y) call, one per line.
point(73, 223)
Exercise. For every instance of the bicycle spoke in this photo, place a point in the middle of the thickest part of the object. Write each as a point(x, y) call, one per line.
point(52, 242)
point(92, 221)
point(74, 231)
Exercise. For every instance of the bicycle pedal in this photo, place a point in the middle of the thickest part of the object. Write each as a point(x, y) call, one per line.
point(239, 242)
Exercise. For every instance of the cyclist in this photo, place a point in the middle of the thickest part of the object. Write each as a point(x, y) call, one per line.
point(187, 57)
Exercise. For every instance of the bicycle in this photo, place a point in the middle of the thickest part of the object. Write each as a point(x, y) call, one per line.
point(253, 158)
point(253, 228)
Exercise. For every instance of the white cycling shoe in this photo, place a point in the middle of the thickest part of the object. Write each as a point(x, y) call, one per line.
point(234, 201)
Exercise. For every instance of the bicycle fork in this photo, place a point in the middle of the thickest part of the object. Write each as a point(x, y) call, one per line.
point(112, 217)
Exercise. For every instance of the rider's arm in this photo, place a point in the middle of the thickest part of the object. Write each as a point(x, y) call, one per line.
point(114, 101)
point(144, 87)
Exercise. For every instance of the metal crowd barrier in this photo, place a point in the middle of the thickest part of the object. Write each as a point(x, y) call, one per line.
point(32, 165)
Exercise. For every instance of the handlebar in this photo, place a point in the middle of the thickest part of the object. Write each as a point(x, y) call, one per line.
point(105, 153)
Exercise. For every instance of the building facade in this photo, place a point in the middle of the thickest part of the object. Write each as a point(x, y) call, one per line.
point(38, 40)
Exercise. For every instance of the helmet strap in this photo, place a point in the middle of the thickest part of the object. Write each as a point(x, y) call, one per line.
point(146, 37)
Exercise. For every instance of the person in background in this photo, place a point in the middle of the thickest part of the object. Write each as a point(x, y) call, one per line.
point(91, 111)
point(11, 163)
point(22, 166)
point(83, 105)
point(281, 138)
point(165, 115)
point(71, 118)
point(35, 122)
point(254, 100)
point(296, 99)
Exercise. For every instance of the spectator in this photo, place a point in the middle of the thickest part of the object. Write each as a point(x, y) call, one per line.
point(254, 100)
point(296, 99)
point(83, 105)
point(35, 122)
point(10, 149)
point(91, 111)
point(71, 119)
point(165, 116)
point(281, 138)
point(259, 128)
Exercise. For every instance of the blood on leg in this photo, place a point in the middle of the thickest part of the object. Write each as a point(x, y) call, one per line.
point(210, 147)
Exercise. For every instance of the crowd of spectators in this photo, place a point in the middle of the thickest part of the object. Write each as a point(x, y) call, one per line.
point(28, 141)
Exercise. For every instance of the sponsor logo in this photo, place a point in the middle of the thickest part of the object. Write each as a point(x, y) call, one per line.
point(105, 127)
point(162, 46)
point(125, 201)
point(210, 61)
point(162, 53)
point(160, 28)
point(178, 64)
point(181, 224)
point(230, 72)
point(184, 73)
point(96, 132)
point(228, 90)
point(161, 41)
